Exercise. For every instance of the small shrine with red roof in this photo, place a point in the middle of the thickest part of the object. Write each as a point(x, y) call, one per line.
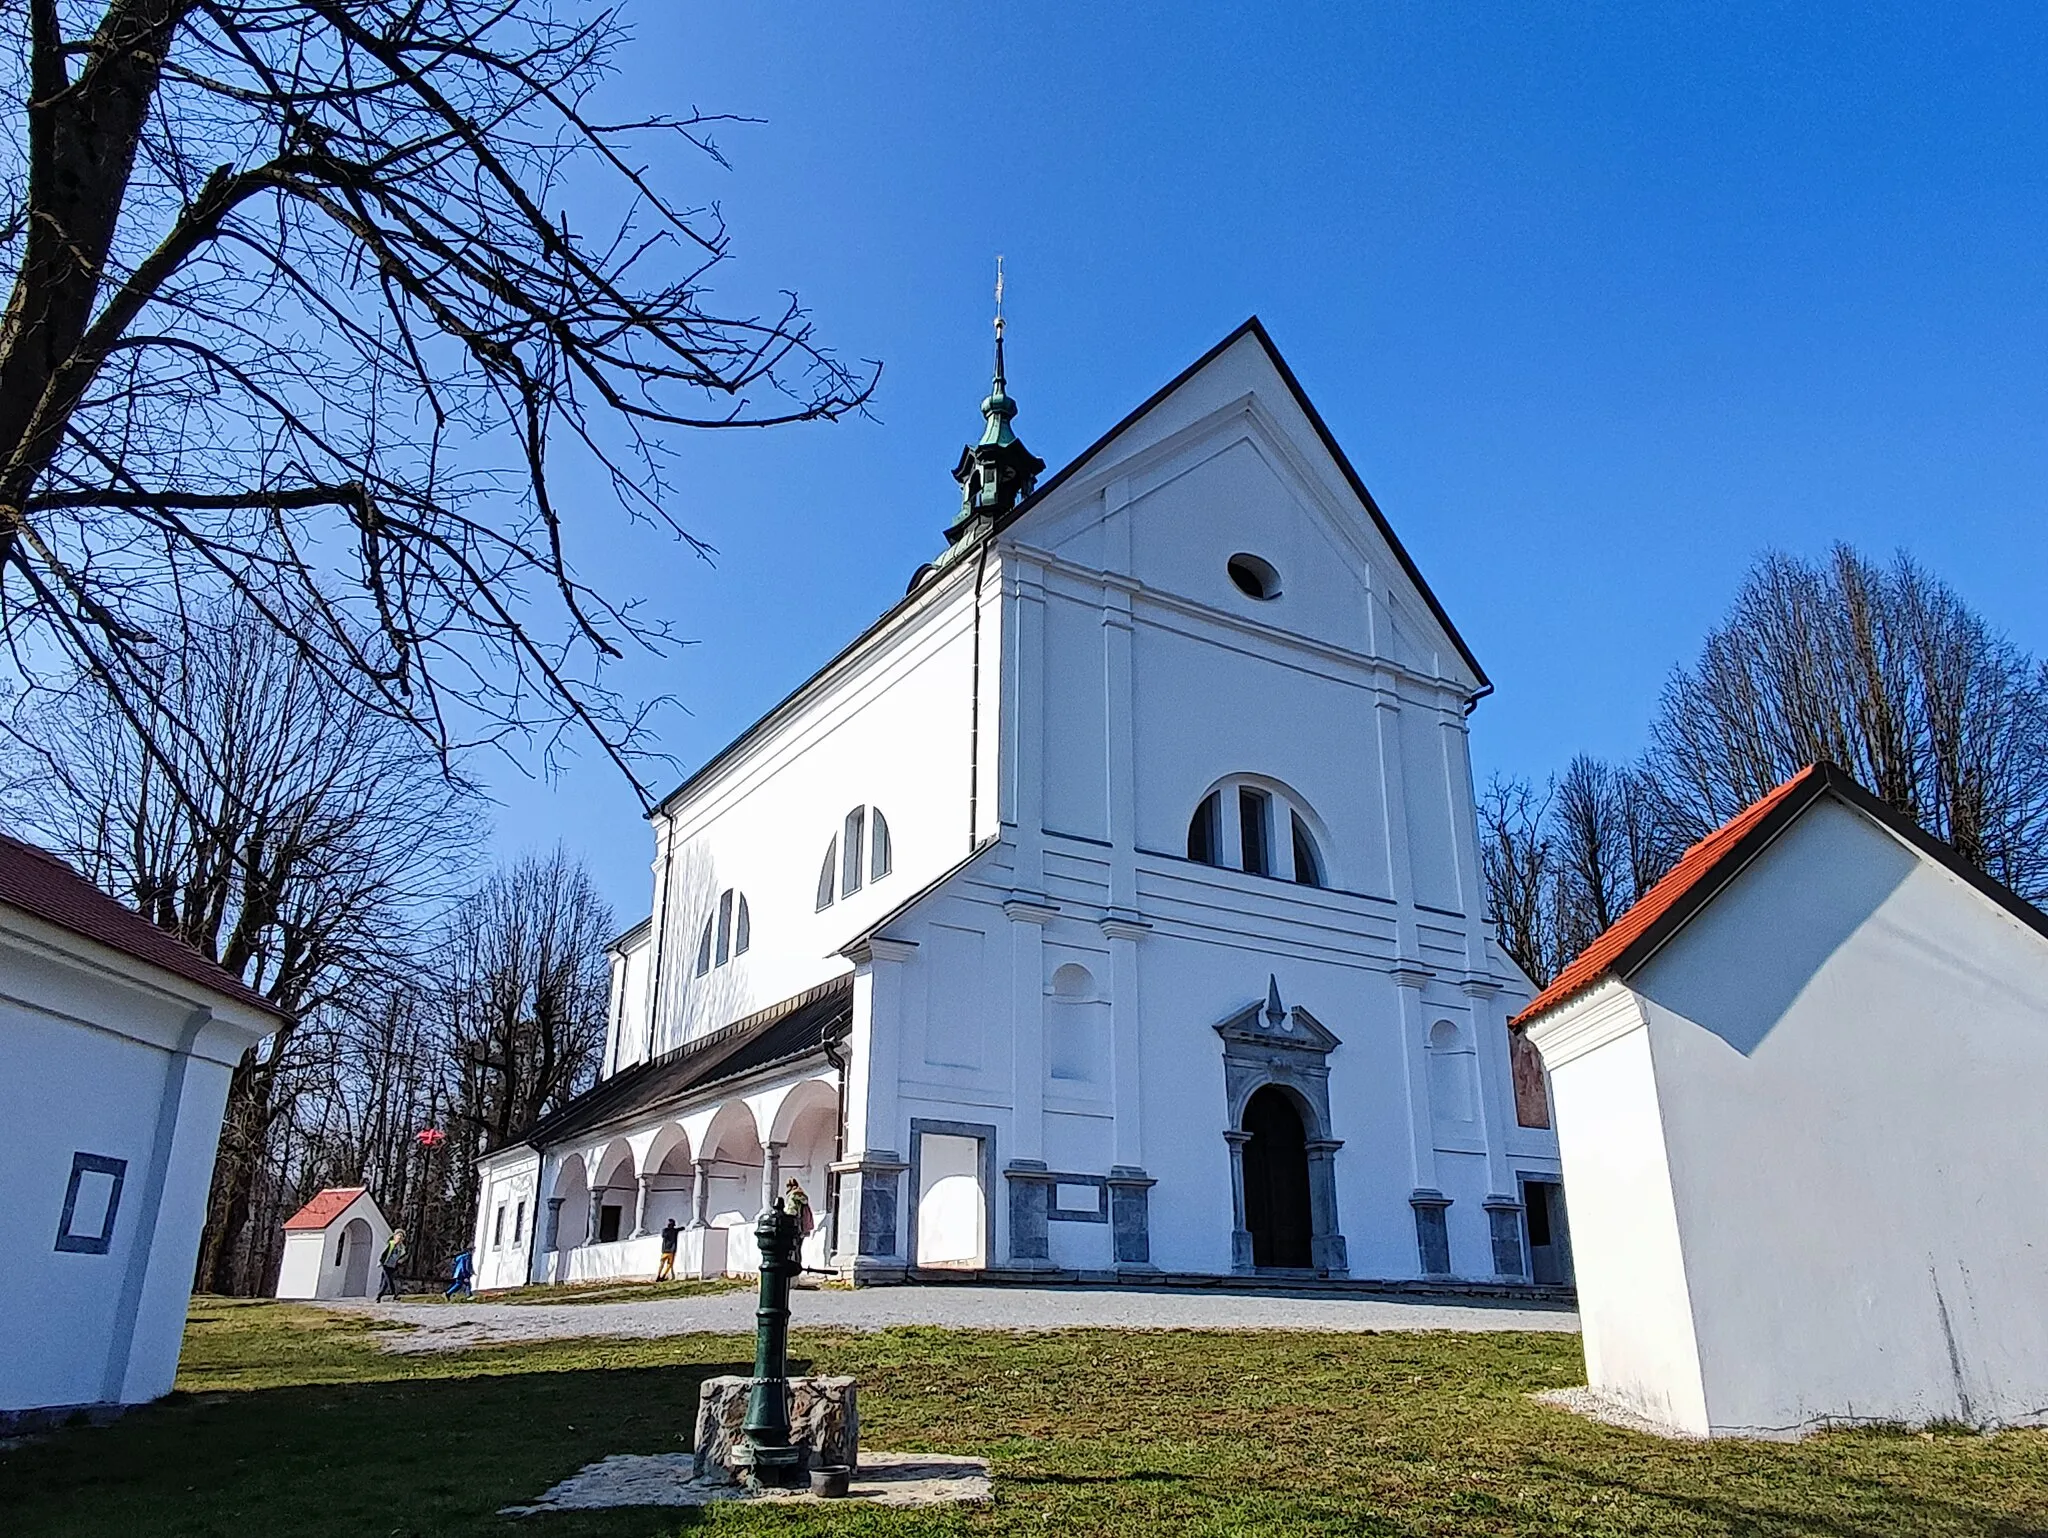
point(330, 1245)
point(1797, 1091)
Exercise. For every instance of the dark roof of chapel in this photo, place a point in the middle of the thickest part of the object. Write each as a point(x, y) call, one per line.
point(40, 884)
point(1252, 326)
point(787, 1032)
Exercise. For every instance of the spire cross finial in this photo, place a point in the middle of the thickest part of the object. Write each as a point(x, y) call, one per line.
point(999, 324)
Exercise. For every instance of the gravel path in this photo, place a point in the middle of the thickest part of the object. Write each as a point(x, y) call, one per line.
point(452, 1327)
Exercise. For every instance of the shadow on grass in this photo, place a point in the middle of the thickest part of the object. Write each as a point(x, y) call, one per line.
point(1838, 1502)
point(407, 1456)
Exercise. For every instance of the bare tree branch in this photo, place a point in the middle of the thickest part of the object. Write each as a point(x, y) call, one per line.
point(364, 311)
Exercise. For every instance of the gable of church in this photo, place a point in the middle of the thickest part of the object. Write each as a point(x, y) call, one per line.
point(1228, 460)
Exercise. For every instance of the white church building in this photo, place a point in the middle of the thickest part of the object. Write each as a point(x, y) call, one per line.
point(1112, 906)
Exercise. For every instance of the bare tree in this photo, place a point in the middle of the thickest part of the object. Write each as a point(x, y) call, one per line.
point(1521, 874)
point(295, 838)
point(1884, 671)
point(355, 308)
point(527, 988)
point(1611, 845)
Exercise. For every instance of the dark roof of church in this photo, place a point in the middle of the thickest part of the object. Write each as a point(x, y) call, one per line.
point(787, 1032)
point(1706, 868)
point(38, 883)
point(1251, 326)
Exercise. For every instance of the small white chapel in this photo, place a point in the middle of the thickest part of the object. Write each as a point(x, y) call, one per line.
point(1111, 907)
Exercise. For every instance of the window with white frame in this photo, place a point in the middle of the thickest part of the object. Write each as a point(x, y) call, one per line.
point(728, 931)
point(1259, 827)
point(859, 854)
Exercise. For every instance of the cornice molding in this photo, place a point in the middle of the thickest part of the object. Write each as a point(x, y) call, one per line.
point(1587, 1023)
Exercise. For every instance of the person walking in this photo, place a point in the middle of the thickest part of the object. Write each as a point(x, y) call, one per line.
point(667, 1270)
point(395, 1255)
point(459, 1279)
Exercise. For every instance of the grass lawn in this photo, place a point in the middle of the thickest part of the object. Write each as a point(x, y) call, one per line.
point(289, 1423)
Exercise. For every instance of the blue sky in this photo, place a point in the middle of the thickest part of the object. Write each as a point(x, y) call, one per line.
point(1601, 300)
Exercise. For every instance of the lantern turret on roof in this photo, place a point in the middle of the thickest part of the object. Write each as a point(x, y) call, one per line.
point(998, 472)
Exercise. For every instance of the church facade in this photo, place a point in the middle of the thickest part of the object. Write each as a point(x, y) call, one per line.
point(1111, 906)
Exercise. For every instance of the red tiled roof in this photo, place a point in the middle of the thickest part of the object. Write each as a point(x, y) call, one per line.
point(38, 883)
point(324, 1208)
point(1693, 868)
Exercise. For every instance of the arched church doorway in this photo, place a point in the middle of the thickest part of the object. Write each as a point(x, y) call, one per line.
point(1276, 1202)
point(355, 1250)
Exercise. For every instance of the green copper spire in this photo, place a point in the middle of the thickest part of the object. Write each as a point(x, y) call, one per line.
point(996, 473)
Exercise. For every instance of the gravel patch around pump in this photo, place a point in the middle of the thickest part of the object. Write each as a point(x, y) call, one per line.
point(457, 1327)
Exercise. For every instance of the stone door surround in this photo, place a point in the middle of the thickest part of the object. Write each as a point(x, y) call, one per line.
point(1268, 1043)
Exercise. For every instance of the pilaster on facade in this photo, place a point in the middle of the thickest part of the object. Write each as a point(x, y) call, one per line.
point(874, 1038)
point(1120, 780)
point(1023, 724)
point(1432, 1231)
point(1394, 822)
point(867, 1241)
point(1504, 1229)
point(1496, 1075)
point(1027, 1025)
point(1409, 980)
point(1127, 1088)
point(1457, 746)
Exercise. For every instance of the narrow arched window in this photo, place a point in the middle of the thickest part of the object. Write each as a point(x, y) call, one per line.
point(861, 853)
point(1204, 829)
point(1256, 825)
point(850, 851)
point(728, 931)
point(828, 877)
point(1308, 864)
point(881, 857)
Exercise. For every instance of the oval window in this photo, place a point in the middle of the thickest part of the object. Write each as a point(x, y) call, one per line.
point(1254, 578)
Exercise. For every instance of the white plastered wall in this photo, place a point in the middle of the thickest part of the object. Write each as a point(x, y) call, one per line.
point(1635, 1312)
point(103, 1056)
point(891, 727)
point(1851, 1058)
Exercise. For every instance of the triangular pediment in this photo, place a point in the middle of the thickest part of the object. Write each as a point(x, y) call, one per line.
point(1267, 1023)
point(1232, 455)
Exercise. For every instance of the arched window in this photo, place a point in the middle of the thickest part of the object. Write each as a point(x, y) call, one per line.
point(1258, 827)
point(849, 867)
point(829, 875)
point(860, 853)
point(880, 855)
point(728, 931)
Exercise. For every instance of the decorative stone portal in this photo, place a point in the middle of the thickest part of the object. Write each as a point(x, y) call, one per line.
point(1276, 1077)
